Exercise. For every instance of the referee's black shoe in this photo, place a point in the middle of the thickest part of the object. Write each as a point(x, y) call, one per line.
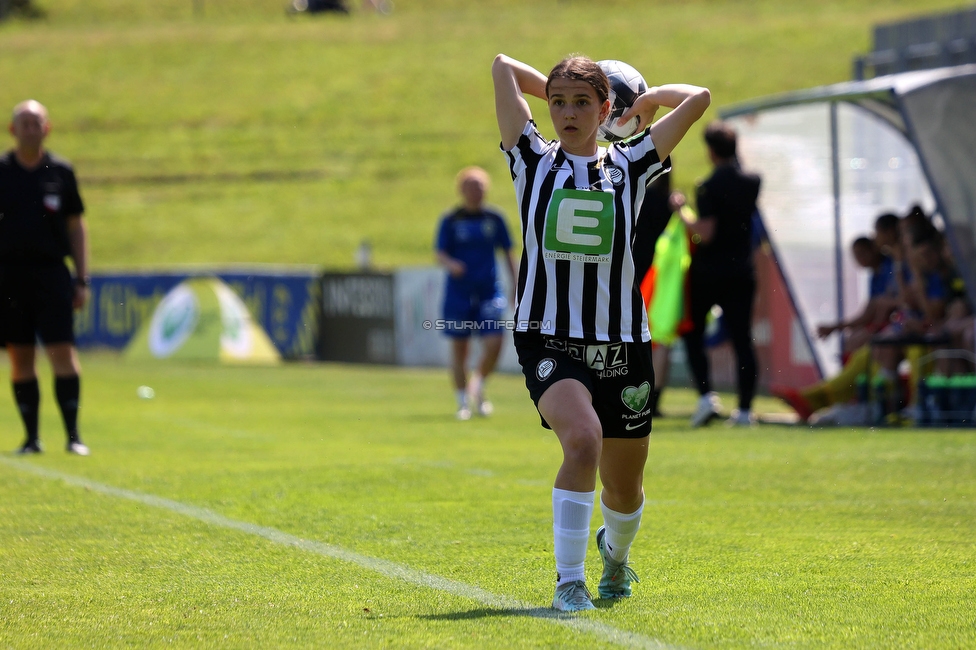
point(77, 447)
point(30, 447)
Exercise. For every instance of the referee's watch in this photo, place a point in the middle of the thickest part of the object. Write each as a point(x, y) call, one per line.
point(82, 281)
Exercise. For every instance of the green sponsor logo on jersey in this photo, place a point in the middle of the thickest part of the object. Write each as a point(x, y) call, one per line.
point(579, 226)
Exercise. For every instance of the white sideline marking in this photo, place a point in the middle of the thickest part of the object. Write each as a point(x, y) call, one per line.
point(381, 566)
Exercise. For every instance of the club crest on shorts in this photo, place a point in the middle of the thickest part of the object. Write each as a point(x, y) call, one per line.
point(545, 368)
point(635, 397)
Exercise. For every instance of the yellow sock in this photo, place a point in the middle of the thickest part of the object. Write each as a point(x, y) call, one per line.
point(842, 387)
point(817, 396)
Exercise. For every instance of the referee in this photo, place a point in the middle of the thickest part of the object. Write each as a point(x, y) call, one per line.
point(40, 224)
point(722, 273)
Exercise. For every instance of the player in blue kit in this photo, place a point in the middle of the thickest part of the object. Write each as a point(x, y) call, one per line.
point(467, 240)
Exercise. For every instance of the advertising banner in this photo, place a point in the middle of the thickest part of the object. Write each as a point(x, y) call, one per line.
point(419, 297)
point(202, 319)
point(284, 302)
point(357, 318)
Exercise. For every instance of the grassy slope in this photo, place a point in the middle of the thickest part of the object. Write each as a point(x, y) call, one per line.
point(377, 112)
point(772, 536)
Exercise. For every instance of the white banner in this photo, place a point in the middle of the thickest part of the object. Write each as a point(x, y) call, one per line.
point(418, 295)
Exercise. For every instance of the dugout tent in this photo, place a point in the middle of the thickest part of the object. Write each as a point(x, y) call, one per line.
point(835, 157)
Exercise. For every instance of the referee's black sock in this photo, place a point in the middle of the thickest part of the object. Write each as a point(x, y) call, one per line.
point(655, 401)
point(68, 390)
point(28, 398)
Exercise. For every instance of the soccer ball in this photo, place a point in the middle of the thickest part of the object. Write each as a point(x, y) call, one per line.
point(626, 85)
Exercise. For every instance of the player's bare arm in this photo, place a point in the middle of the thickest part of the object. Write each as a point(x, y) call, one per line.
point(453, 266)
point(702, 228)
point(513, 80)
point(688, 102)
point(513, 271)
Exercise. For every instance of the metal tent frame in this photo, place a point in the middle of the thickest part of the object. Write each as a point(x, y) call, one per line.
point(935, 112)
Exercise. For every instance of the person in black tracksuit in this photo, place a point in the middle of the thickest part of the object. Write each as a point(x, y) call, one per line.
point(40, 224)
point(722, 272)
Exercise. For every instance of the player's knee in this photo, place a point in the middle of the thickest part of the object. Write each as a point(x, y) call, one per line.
point(623, 494)
point(582, 444)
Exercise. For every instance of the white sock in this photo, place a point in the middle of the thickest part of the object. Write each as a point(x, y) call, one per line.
point(621, 531)
point(476, 388)
point(462, 398)
point(571, 514)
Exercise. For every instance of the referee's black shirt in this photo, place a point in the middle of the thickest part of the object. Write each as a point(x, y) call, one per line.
point(34, 206)
point(730, 196)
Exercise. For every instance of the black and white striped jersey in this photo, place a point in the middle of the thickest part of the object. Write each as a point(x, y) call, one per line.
point(576, 278)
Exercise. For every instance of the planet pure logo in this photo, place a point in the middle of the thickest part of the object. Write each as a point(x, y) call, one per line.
point(173, 322)
point(635, 397)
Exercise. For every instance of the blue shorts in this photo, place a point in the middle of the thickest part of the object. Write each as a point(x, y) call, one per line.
point(467, 314)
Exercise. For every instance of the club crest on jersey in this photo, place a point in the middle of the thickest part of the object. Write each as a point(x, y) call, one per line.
point(615, 174)
point(545, 368)
point(488, 228)
point(52, 202)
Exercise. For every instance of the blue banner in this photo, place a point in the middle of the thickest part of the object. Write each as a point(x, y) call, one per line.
point(285, 303)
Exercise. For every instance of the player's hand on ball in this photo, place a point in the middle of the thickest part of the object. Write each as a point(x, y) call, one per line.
point(645, 108)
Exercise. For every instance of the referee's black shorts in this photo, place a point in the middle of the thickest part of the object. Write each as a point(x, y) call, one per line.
point(619, 377)
point(35, 303)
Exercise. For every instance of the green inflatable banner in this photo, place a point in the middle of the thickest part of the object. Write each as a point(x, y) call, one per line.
point(202, 319)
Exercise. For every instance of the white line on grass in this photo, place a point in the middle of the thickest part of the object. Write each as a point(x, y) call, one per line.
point(384, 567)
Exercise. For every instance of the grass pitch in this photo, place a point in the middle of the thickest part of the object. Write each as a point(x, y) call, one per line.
point(336, 505)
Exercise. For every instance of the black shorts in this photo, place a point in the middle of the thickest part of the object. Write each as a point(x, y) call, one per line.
point(619, 377)
point(35, 302)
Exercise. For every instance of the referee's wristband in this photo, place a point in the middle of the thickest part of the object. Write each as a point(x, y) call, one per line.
point(82, 282)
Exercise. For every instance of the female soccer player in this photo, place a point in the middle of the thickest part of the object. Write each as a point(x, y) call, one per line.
point(581, 326)
point(467, 240)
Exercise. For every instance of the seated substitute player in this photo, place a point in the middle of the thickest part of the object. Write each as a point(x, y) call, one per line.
point(467, 239)
point(883, 299)
point(40, 224)
point(581, 325)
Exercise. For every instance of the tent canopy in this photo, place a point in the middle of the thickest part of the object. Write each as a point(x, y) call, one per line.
point(834, 157)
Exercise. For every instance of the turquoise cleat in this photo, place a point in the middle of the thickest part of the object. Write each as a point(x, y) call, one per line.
point(616, 578)
point(573, 597)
